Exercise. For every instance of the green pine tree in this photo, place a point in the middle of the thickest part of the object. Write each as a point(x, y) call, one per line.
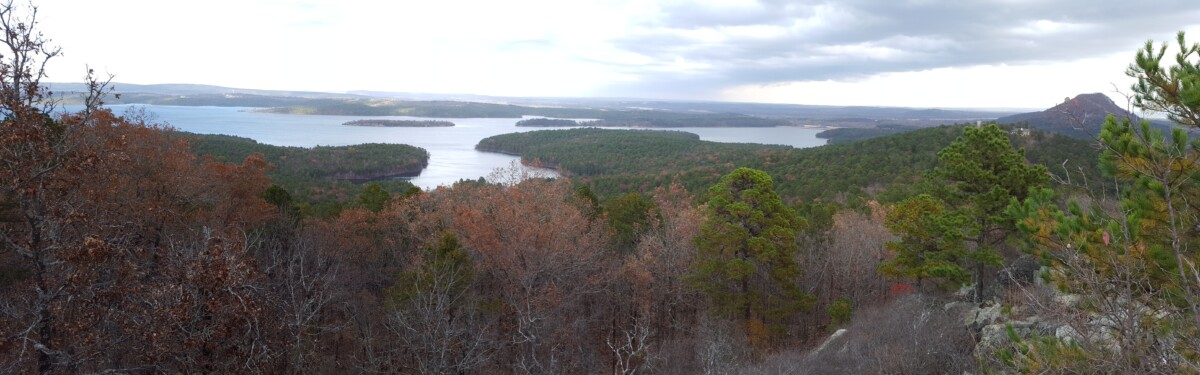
point(982, 173)
point(747, 246)
point(373, 197)
point(930, 244)
point(630, 216)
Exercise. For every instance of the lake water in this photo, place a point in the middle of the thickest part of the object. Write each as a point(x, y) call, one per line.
point(452, 154)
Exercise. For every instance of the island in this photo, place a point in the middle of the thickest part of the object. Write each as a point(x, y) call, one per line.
point(401, 123)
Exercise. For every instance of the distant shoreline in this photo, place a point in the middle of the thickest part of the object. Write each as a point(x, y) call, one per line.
point(401, 123)
point(822, 127)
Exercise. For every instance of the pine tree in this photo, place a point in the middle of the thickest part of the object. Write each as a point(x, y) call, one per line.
point(1134, 261)
point(1175, 89)
point(930, 244)
point(982, 174)
point(630, 216)
point(747, 246)
point(373, 197)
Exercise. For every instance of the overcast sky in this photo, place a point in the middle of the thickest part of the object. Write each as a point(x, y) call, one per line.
point(922, 53)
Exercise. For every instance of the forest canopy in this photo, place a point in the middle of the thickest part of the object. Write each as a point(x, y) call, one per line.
point(127, 247)
point(614, 161)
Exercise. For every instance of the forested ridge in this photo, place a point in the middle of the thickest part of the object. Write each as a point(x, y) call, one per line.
point(615, 161)
point(126, 247)
point(843, 135)
point(321, 179)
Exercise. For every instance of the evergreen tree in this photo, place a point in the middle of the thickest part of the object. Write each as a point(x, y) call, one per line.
point(982, 173)
point(930, 242)
point(1136, 262)
point(1174, 90)
point(373, 197)
point(630, 215)
point(747, 246)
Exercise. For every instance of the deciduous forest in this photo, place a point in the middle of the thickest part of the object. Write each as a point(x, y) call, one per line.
point(129, 247)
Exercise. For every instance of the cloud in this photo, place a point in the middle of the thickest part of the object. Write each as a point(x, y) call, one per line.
point(771, 42)
point(669, 49)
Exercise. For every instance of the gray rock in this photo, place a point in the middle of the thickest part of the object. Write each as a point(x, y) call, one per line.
point(987, 315)
point(966, 292)
point(1068, 300)
point(1066, 333)
point(991, 336)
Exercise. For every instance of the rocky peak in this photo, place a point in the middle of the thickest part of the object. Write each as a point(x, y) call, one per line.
point(1080, 116)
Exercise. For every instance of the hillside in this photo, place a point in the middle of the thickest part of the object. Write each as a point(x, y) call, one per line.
point(847, 135)
point(321, 176)
point(1079, 117)
point(614, 161)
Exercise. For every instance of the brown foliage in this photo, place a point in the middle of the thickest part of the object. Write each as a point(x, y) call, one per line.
point(846, 265)
point(135, 254)
point(539, 254)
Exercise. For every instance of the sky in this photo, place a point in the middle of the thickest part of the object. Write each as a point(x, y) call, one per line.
point(911, 53)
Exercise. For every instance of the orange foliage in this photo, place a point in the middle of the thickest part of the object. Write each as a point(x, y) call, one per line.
point(901, 289)
point(135, 252)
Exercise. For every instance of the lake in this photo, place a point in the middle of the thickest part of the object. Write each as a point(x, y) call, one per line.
point(452, 154)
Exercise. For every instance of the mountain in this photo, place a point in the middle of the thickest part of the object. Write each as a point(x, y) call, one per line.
point(1079, 117)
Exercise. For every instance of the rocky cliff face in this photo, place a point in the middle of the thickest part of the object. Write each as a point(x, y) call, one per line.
point(970, 337)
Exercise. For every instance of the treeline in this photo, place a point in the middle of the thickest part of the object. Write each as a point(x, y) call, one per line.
point(548, 122)
point(693, 121)
point(846, 135)
point(451, 109)
point(216, 100)
point(321, 178)
point(733, 121)
point(400, 123)
point(543, 144)
point(615, 161)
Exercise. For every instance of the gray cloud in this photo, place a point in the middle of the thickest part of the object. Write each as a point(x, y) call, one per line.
point(704, 49)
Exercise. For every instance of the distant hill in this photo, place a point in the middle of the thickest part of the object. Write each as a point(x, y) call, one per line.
point(775, 114)
point(172, 89)
point(807, 114)
point(1080, 117)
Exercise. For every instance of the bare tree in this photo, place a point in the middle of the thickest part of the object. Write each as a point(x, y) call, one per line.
point(33, 148)
point(631, 348)
point(305, 293)
point(434, 313)
point(847, 265)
